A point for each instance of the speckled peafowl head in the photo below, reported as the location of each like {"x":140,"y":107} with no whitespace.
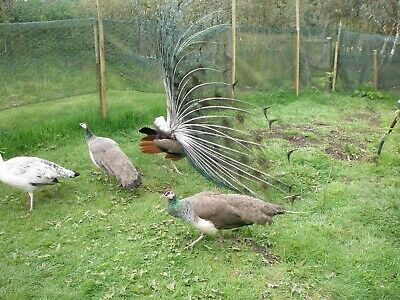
{"x":169,"y":194}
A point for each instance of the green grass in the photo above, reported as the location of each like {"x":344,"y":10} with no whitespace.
{"x":89,"y":239}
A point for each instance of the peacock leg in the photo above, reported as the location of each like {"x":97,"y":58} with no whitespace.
{"x":196,"y":241}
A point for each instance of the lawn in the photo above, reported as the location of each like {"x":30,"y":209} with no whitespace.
{"x":89,"y":239}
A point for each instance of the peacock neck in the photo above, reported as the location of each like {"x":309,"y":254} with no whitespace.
{"x":88,"y":134}
{"x":174,"y":206}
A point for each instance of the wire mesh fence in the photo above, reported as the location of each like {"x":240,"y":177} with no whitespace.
{"x":356,"y":67}
{"x":41,"y":61}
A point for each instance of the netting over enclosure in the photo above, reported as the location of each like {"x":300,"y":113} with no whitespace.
{"x":131,"y":55}
{"x":357,"y":61}
{"x":47,"y":60}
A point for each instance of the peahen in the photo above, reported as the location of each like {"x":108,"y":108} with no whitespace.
{"x":204,"y":123}
{"x":211,"y":211}
{"x":107,"y":155}
{"x":30,"y":173}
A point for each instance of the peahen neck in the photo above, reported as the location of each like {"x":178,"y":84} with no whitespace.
{"x":88,"y":134}
{"x":174,"y":207}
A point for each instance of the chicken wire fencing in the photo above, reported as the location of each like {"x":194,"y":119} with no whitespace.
{"x":46,"y":60}
{"x":42,"y":61}
{"x":358,"y":66}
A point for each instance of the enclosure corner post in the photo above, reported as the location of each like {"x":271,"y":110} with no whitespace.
{"x":233,"y":40}
{"x":336,"y":59}
{"x":375,"y":69}
{"x":102,"y":60}
{"x":297,"y":69}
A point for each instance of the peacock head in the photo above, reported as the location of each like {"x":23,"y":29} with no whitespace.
{"x":169,"y":194}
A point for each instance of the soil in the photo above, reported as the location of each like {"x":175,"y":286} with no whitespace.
{"x":337,"y":144}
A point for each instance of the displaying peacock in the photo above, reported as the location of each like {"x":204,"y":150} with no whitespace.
{"x":204,"y":122}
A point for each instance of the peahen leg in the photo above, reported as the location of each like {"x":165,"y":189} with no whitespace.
{"x":196,"y":241}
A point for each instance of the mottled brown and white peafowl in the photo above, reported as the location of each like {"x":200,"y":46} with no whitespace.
{"x":212,"y":211}
{"x":204,"y":123}
{"x":107,"y":155}
{"x":30,"y":173}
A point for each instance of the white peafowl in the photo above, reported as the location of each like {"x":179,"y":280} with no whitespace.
{"x":107,"y":155}
{"x":204,"y":123}
{"x":30,"y":173}
{"x":211,"y":211}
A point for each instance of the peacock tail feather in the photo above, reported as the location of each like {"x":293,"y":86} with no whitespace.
{"x":211,"y":126}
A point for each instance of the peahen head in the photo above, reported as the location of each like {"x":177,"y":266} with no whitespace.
{"x":88,"y":133}
{"x":170,"y":195}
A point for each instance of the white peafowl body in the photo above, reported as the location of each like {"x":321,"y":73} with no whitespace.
{"x":30,"y":173}
{"x":204,"y":123}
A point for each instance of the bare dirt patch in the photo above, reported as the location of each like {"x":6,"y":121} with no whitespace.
{"x":297,"y":140}
{"x":352,"y":146}
{"x":369,"y":117}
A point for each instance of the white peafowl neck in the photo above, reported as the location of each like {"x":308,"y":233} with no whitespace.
{"x":162,"y":126}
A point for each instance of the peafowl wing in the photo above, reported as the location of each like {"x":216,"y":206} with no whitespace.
{"x":107,"y":154}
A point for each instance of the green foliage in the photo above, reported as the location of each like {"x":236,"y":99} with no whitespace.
{"x":39,"y":10}
{"x":87,"y":238}
{"x":370,"y":93}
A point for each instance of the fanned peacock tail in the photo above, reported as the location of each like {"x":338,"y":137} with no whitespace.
{"x":211,"y":126}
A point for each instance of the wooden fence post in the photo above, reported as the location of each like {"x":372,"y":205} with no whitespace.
{"x":329,"y":56}
{"x":96,"y":41}
{"x":233,"y":40}
{"x":336,"y":59}
{"x":297,"y":77}
{"x":102,"y":60}
{"x":375,"y":69}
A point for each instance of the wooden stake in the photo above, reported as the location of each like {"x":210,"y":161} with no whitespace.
{"x":330,"y":61}
{"x":297,"y":80}
{"x":96,"y":41}
{"x":336,"y":59}
{"x":233,"y":79}
{"x":375,"y":69}
{"x":102,"y":60}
